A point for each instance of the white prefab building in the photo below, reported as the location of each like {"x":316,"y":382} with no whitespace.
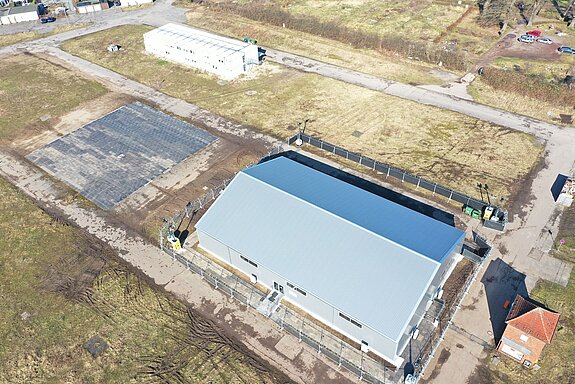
{"x":365,"y":266}
{"x":20,"y":14}
{"x":222,"y":56}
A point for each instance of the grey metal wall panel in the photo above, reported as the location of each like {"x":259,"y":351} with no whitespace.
{"x":325,"y":250}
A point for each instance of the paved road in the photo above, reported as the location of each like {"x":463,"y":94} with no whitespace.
{"x":524,"y":235}
{"x":405,"y":91}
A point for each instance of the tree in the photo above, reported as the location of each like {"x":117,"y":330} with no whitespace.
{"x":569,"y":10}
{"x":506,"y":15}
{"x":536,"y":8}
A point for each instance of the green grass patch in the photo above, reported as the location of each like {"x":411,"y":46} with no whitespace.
{"x":32,"y":88}
{"x":60,"y":287}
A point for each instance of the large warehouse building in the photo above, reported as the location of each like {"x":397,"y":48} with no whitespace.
{"x":364,"y":265}
{"x":222,"y":56}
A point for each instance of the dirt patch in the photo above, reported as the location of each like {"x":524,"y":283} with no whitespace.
{"x":56,"y":127}
{"x":509,"y":47}
{"x":151,"y":334}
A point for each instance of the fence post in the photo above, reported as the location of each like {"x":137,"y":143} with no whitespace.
{"x":283,"y":318}
{"x":361,"y":367}
{"x":319,"y":342}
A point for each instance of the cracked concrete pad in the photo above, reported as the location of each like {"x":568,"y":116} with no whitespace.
{"x":287,"y":348}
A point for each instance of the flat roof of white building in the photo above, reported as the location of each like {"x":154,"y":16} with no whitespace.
{"x":365,"y":255}
{"x":196,"y":39}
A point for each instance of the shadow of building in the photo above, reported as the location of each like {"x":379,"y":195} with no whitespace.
{"x":502,"y":284}
{"x":366,"y":185}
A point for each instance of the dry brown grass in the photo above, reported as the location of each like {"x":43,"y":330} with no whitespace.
{"x":6,"y":40}
{"x":391,"y":67}
{"x":32,"y":89}
{"x":443,"y":146}
{"x":528,"y":87}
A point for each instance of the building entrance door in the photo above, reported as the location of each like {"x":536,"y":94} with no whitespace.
{"x":278,"y":287}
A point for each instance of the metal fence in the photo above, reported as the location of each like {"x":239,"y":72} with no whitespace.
{"x":429,"y":350}
{"x":391,"y":171}
{"x":324,"y":342}
{"x":171,"y":224}
{"x":342,"y":353}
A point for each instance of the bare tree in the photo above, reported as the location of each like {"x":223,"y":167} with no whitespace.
{"x":568,"y":14}
{"x":508,"y":8}
{"x":536,"y":8}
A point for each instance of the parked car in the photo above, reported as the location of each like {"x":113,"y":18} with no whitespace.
{"x":526,"y":39}
{"x":51,"y":19}
{"x":545,"y":40}
{"x":567,"y":50}
{"x":535,"y":33}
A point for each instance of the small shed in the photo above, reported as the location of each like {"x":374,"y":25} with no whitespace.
{"x":529,"y":328}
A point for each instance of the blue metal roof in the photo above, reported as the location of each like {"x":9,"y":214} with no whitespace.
{"x":367,"y":256}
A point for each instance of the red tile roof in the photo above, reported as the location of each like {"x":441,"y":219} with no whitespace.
{"x":532,"y":319}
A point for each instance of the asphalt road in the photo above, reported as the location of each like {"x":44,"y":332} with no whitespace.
{"x":523,"y":235}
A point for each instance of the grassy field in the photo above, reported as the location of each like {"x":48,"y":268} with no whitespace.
{"x":390,"y":66}
{"x":444,"y":146}
{"x":516,"y":94}
{"x":21,"y":37}
{"x":422,"y":20}
{"x":33,"y":89}
{"x":61,"y":287}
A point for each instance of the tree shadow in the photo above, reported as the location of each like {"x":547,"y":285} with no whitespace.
{"x":501,"y":283}
{"x":558,"y":8}
{"x":366,"y":185}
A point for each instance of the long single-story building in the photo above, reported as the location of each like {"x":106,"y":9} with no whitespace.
{"x":13,"y":15}
{"x":222,"y":56}
{"x":365,"y":266}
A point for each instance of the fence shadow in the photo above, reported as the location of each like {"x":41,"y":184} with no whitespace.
{"x":501,"y":283}
{"x":366,"y":185}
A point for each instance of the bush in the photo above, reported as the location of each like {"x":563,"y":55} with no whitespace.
{"x":534,"y":86}
{"x":431,"y":53}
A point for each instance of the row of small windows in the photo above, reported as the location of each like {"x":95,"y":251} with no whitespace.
{"x":296,"y":288}
{"x":248,"y":261}
{"x":185,"y":50}
{"x":346,"y":317}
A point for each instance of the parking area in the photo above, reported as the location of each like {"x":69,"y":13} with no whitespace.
{"x":115,"y":155}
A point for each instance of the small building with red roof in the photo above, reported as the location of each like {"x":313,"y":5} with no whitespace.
{"x":529,"y":328}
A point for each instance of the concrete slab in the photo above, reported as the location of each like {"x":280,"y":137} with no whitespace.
{"x":111,"y":157}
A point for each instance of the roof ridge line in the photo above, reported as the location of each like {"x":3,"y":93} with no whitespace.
{"x":344,"y":219}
